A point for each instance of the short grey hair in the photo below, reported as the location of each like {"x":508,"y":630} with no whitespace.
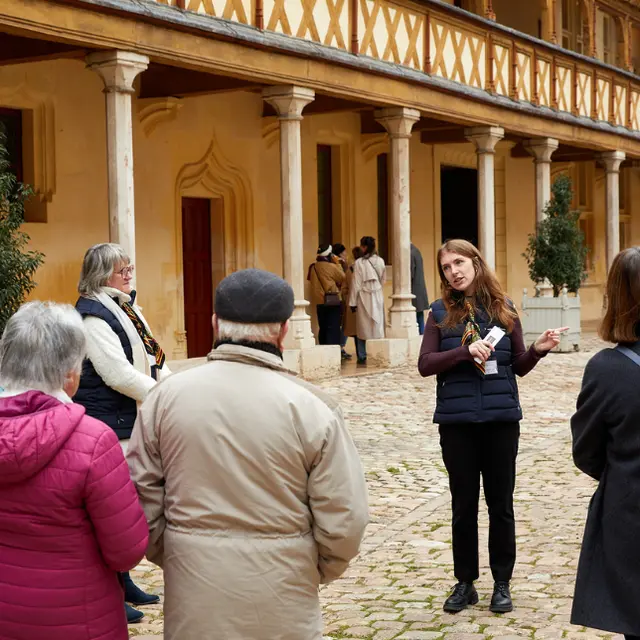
{"x":240,"y":332}
{"x":42,"y":343}
{"x":98,"y":266}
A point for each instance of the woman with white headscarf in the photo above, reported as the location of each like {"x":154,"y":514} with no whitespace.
{"x":326,"y":277}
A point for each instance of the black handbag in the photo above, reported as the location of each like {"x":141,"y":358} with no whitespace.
{"x":330,"y":299}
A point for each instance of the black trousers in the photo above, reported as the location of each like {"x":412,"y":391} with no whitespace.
{"x":632,"y":638}
{"x":329,"y":319}
{"x":488,"y":450}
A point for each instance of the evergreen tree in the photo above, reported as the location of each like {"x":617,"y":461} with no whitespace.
{"x":17,"y":266}
{"x":557,"y":252}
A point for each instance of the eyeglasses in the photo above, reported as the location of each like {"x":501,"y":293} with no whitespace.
{"x":126,"y":271}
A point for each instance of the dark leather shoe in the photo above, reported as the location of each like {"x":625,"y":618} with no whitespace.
{"x":133,"y":615}
{"x":501,"y":599}
{"x":463,"y":594}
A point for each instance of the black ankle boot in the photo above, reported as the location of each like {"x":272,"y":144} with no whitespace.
{"x":133,"y":615}
{"x":501,"y":599}
{"x":135,"y":595}
{"x":463,"y":594}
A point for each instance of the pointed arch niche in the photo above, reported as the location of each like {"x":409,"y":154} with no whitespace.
{"x":228,"y":187}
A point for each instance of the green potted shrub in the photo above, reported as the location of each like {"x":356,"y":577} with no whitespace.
{"x":17,"y":264}
{"x":556,"y":256}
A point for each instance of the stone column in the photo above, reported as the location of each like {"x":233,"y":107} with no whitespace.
{"x":289,"y":101}
{"x":542,"y":149}
{"x":611,"y":160}
{"x":398,"y":122}
{"x":486,"y":139}
{"x":118,"y":70}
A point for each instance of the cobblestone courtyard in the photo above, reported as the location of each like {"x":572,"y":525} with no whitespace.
{"x":395,"y":589}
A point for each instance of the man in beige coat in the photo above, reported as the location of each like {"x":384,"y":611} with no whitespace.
{"x":250,"y":481}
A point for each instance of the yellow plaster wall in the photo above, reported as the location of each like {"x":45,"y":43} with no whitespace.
{"x":77,"y":214}
{"x":520,"y":222}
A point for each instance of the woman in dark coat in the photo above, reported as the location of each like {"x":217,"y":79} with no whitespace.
{"x":606,"y":446}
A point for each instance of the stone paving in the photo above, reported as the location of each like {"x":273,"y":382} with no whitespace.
{"x":395,"y":589}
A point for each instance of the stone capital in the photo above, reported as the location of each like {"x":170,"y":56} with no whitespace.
{"x":611,"y":160}
{"x":118,"y":69}
{"x":288,"y":101}
{"x":485,"y":138}
{"x":398,"y":121}
{"x":541,"y":148}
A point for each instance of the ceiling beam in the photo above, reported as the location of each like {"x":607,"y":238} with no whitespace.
{"x":565,"y":153}
{"x":18,"y":50}
{"x":163,"y":81}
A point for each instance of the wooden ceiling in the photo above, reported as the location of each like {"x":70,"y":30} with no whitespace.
{"x":17,"y":49}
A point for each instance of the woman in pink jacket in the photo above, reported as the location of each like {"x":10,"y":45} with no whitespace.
{"x":69,"y":514}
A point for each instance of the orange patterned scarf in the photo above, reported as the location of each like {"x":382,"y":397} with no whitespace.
{"x":150,"y":344}
{"x":472,"y":332}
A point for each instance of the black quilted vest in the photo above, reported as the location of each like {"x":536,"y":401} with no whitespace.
{"x":463,"y":394}
{"x":100,"y":401}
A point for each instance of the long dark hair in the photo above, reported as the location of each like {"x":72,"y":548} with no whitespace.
{"x":488,"y":291}
{"x":369,"y":244}
{"x":621,"y":319}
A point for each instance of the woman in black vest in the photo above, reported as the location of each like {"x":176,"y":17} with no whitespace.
{"x":606,"y":446}
{"x":123,"y":362}
{"x":478,"y":411}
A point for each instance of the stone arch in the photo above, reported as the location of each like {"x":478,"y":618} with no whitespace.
{"x":215,"y":176}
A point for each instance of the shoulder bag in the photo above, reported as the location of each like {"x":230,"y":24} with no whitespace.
{"x":630,"y":353}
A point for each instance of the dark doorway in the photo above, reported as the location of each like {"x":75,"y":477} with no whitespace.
{"x":383,"y":208}
{"x":459,"y":195}
{"x":197,"y":273}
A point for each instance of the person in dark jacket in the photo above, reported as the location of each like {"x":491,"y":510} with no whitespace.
{"x":606,"y":446}
{"x":418,"y":286}
{"x":123,"y":362}
{"x":478,"y":411}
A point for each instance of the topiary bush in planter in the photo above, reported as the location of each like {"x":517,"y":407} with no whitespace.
{"x":556,"y":257}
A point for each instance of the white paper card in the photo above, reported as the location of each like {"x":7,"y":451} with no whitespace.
{"x":491,"y":368}
{"x":493,"y":337}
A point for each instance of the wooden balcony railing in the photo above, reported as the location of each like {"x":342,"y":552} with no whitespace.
{"x":463,"y":48}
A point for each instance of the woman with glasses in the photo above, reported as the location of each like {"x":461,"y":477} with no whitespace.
{"x":123,"y":362}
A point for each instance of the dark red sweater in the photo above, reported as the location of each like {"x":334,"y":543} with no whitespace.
{"x":433,"y":361}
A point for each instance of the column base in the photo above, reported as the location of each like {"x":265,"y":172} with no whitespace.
{"x":394,"y":352}
{"x":403,"y":323}
{"x":315,"y":363}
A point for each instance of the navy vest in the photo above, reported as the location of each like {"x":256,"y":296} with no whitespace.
{"x":463,"y":394}
{"x":102,"y":402}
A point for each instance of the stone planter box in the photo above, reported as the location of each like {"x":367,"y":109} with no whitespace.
{"x":546,"y":312}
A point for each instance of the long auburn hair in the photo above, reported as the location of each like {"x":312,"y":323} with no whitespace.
{"x":488,"y":292}
{"x":622,"y":317}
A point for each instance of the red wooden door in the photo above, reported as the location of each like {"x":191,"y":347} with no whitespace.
{"x":198,"y":282}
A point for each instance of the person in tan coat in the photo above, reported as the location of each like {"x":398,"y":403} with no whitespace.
{"x":326,"y":277}
{"x":349,"y":320}
{"x":250,"y":481}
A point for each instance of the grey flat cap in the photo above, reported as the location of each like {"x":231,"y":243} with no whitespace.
{"x":253,"y":296}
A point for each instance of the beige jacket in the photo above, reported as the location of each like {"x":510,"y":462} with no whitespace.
{"x":325,"y":277}
{"x":254,"y":494}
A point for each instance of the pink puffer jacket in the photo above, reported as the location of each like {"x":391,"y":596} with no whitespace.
{"x":69,"y":520}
